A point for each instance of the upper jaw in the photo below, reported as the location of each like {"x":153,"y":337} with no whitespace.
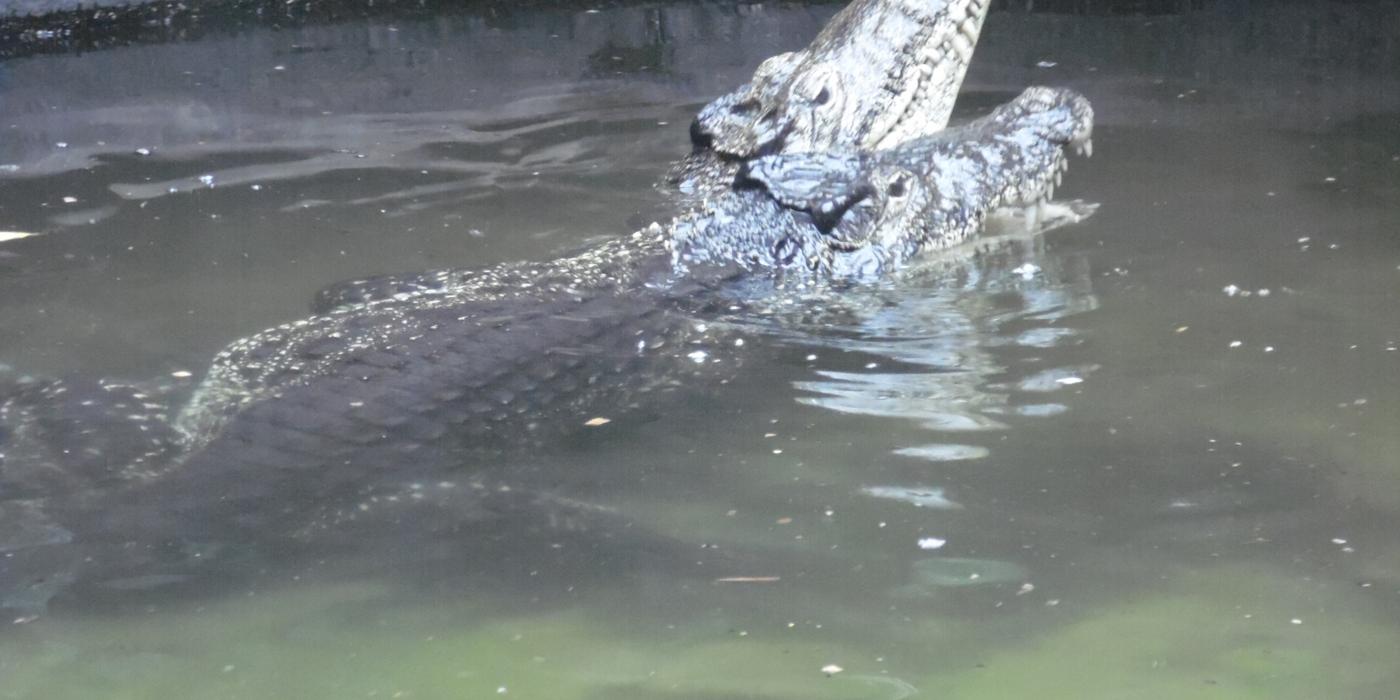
{"x":882,"y":71}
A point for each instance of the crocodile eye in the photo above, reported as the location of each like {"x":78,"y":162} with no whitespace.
{"x":897,"y":188}
{"x":822,"y":97}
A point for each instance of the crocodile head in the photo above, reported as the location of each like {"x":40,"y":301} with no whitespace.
{"x":859,"y":214}
{"x":881,"y":72}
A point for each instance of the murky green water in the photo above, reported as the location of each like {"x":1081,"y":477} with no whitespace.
{"x":1161,"y":465}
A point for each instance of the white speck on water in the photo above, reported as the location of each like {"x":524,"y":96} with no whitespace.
{"x":62,"y":144}
{"x":14,"y":235}
{"x":279,"y":67}
{"x":207,"y":180}
{"x":1230,"y":290}
{"x":1329,"y":179}
{"x":698,"y":356}
{"x":1305,"y":239}
{"x":1027,"y":270}
{"x":1236,"y":343}
{"x":1069,"y":381}
{"x":255,"y":188}
{"x":1339,"y":540}
{"x":811,"y":358}
{"x":1296,"y":621}
{"x":70,"y":200}
{"x":1046,"y":64}
{"x":501,"y":690}
{"x":738,"y":342}
{"x":871,"y":365}
{"x":143,"y":151}
{"x":182,"y":374}
{"x":1263,"y":292}
{"x":832,"y":669}
{"x":1268,"y":348}
{"x":932,"y":542}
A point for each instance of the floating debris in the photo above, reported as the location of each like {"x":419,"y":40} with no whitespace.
{"x":917,"y":496}
{"x":831,"y":670}
{"x":597,"y":421}
{"x":15,"y":235}
{"x":930,"y":543}
{"x":1056,"y":379}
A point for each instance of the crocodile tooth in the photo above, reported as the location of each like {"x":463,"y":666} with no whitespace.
{"x":1050,"y":191}
{"x":956,"y":12}
{"x":970,"y":27}
{"x":963,"y":47}
{"x":926,"y":69}
{"x":1088,"y":148}
{"x":1059,"y":177}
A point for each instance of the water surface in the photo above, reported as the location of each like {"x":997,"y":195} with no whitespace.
{"x":1152,"y":455}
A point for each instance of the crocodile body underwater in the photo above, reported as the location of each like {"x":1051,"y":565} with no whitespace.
{"x":832,"y":166}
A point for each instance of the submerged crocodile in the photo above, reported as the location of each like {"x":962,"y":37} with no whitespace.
{"x":833,"y":165}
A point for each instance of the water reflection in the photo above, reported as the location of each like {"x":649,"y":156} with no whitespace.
{"x":934,"y":343}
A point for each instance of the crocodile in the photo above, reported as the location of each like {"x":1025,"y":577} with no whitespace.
{"x":812,"y":173}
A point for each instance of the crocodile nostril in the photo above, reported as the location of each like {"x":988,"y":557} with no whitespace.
{"x":785,"y":251}
{"x":699,"y":137}
{"x":744,"y":107}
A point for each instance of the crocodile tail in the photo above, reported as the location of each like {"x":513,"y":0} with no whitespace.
{"x":60,"y":436}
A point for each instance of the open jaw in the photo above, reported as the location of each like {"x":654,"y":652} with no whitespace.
{"x":881,"y":72}
{"x":859,"y":214}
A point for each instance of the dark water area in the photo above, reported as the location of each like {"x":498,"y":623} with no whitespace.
{"x":1149,"y":455}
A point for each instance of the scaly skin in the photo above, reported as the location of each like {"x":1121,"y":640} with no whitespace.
{"x":862,"y":215}
{"x":881,"y":72}
{"x":414,"y":372}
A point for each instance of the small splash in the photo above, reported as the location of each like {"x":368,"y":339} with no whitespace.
{"x":944,"y":452}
